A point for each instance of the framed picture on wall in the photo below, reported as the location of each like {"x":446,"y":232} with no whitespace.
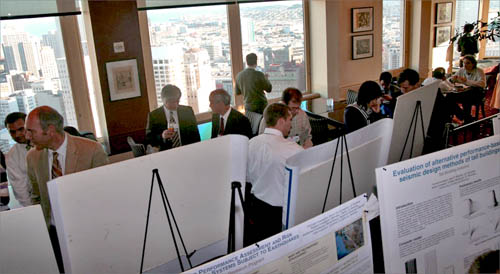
{"x":362,"y":19}
{"x":443,"y":35}
{"x":444,"y":12}
{"x":123,"y":79}
{"x":362,"y":46}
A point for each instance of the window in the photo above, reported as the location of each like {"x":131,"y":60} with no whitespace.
{"x":493,"y":48}
{"x":275,"y":32}
{"x":35,"y":71}
{"x":467,"y":11}
{"x":393,"y":34}
{"x":191,"y":47}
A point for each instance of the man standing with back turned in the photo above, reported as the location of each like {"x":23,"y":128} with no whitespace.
{"x":252,"y":84}
{"x":267,"y":154}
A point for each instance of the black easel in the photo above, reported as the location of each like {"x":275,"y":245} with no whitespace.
{"x":168,"y":208}
{"x":414,"y":121}
{"x":231,"y":239}
{"x":343,"y":140}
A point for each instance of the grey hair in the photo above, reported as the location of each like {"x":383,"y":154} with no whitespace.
{"x":170,"y":92}
{"x":221,"y":95}
{"x":49,"y":116}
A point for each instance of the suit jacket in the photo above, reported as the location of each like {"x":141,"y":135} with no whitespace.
{"x":237,"y":123}
{"x":157,"y":123}
{"x":81,"y":154}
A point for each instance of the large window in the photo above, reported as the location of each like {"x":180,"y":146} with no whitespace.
{"x":393,"y":34}
{"x":467,"y":11}
{"x":190,"y":49}
{"x":275,"y":32}
{"x":493,"y":48}
{"x":34,"y":71}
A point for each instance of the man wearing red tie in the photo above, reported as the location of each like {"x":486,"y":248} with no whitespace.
{"x":56,"y":154}
{"x":225,"y":119}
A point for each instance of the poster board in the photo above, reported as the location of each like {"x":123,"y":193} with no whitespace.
{"x":101,"y":213}
{"x":496,"y":124}
{"x":308,"y":172}
{"x":24,"y":242}
{"x":337,"y":241}
{"x":403,"y":114}
{"x":440,"y":211}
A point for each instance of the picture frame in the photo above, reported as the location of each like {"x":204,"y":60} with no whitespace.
{"x":442,"y":36}
{"x":362,"y":19}
{"x":444,"y":12}
{"x":362,"y":46}
{"x":123,"y":79}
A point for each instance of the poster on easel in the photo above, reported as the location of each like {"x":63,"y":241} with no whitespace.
{"x":441,"y":211}
{"x":337,"y":241}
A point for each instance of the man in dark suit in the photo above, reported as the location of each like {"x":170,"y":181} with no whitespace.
{"x":171,"y":125}
{"x":225,"y":119}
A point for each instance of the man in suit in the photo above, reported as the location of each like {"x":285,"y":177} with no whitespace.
{"x":225,"y":119}
{"x":56,"y":154}
{"x":171,"y":125}
{"x":252,"y":84}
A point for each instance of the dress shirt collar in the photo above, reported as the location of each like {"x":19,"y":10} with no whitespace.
{"x":62,"y":149}
{"x":273,"y":131}
{"x":226,"y":115}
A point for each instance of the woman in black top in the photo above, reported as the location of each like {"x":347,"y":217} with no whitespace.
{"x":366,"y":110}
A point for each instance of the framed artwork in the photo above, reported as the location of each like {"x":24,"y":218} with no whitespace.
{"x":444,"y":12}
{"x":443,"y":35}
{"x":123,"y":79}
{"x":362,"y":46}
{"x":362,"y":19}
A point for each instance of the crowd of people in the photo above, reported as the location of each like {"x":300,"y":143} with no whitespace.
{"x":45,"y":151}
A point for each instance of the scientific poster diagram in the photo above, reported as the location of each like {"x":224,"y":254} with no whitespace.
{"x":337,"y":241}
{"x":308,"y":172}
{"x":440,"y":211}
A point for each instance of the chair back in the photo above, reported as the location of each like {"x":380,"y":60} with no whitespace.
{"x":352,"y":96}
{"x":137,"y":149}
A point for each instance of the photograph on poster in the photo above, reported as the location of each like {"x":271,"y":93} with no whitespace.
{"x":362,"y":19}
{"x":444,"y":12}
{"x":349,"y":238}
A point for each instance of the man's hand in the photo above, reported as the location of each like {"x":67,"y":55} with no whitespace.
{"x":168,"y":133}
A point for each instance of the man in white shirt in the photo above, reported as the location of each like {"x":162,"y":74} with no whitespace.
{"x":267,"y":154}
{"x":439,"y":74}
{"x":16,"y":158}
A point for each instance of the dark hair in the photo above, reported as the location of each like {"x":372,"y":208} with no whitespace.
{"x":472,"y":59}
{"x":170,"y":91}
{"x":251,"y":59}
{"x":486,"y":263}
{"x":48,"y":116}
{"x":409,"y":75}
{"x":221,"y":95}
{"x":368,"y":91}
{"x":290,"y":94}
{"x":13,"y":117}
{"x":468,"y":27}
{"x":72,"y":130}
{"x":274,"y":112}
{"x":438,"y":73}
{"x":386,"y":77}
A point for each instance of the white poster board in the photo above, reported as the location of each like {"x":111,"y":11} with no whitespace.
{"x":403,"y":114}
{"x":308,"y":172}
{"x":24,"y":242}
{"x":337,"y":241}
{"x":101,"y":213}
{"x":440,"y":211}
{"x":496,"y":124}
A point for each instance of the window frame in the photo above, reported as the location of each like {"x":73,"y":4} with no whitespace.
{"x":236,"y":52}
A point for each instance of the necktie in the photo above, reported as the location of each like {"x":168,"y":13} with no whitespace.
{"x":176,"y":142}
{"x":56,"y":167}
{"x":221,"y":127}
